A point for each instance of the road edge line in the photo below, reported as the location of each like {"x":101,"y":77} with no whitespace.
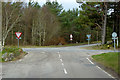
{"x":101,"y":69}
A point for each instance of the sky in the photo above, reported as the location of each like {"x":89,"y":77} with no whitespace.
{"x":67,"y":4}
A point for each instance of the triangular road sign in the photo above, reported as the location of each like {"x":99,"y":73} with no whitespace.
{"x":89,"y":35}
{"x":18,"y":34}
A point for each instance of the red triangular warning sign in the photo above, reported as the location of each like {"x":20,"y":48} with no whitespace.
{"x":18,"y":34}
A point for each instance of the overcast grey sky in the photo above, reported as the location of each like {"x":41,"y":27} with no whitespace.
{"x":67,"y":4}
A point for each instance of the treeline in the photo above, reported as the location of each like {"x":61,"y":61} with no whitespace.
{"x":50,"y":24}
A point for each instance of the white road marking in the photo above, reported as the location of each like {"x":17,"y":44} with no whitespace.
{"x":65,"y":71}
{"x":89,"y":60}
{"x":43,"y":52}
{"x":105,"y":72}
{"x":61,"y":60}
{"x":59,"y":55}
{"x":62,"y":64}
{"x":88,"y":55}
{"x":100,"y":68}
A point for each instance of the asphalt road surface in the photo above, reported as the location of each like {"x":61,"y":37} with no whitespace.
{"x":61,"y":62}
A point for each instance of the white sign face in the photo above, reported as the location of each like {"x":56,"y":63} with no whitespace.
{"x":71,"y":36}
{"x":18,"y":34}
{"x":89,"y":35}
{"x":114,"y":34}
{"x":71,"y":39}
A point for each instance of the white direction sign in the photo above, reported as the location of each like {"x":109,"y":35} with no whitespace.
{"x":114,"y":34}
{"x":18,"y":34}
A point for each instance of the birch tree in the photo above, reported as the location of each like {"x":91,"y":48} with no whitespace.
{"x":0,"y":25}
{"x":11,"y":16}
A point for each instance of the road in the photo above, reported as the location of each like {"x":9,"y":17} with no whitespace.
{"x":61,"y":62}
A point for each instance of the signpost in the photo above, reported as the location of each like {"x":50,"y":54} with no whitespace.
{"x":117,"y":41}
{"x":88,"y":38}
{"x":18,"y":34}
{"x":114,"y":36}
{"x":71,"y":37}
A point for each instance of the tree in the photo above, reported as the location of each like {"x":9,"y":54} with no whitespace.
{"x":104,"y":22}
{"x":50,"y":25}
{"x":11,"y":16}
{"x":0,"y":25}
{"x":55,"y":7}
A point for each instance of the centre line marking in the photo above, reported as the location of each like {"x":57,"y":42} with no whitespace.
{"x":59,"y":55}
{"x":89,"y":60}
{"x":61,"y":60}
{"x":65,"y":71}
{"x":62,"y":64}
{"x":43,"y":52}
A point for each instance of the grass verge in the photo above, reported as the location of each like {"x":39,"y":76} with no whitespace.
{"x":11,"y":54}
{"x":109,"y":60}
{"x":101,"y":47}
{"x":66,"y":45}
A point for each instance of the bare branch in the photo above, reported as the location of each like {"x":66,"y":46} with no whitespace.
{"x":99,"y":26}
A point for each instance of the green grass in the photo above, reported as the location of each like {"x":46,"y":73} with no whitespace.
{"x":101,"y":47}
{"x":16,"y":51}
{"x":0,"y":56}
{"x":109,"y":60}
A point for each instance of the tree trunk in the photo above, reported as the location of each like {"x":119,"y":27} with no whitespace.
{"x":33,"y":36}
{"x":119,"y":30}
{"x":44,"y":37}
{"x":0,"y":25}
{"x":25,"y":35}
{"x":104,"y":25}
{"x":12,"y":37}
{"x":33,"y":32}
{"x":40,"y":35}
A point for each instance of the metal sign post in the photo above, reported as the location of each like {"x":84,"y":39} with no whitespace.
{"x":71,"y":37}
{"x":18,"y":34}
{"x":18,"y":43}
{"x":117,"y":42}
{"x":114,"y":35}
{"x":88,"y":38}
{"x":114,"y":44}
